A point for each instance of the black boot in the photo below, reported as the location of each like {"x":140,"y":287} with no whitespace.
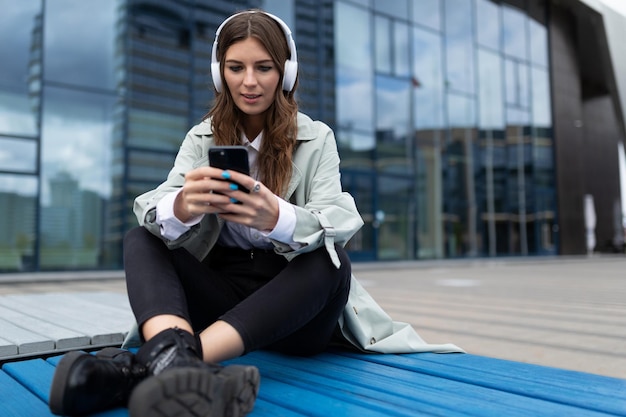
{"x":182,"y":384}
{"x":84,"y":384}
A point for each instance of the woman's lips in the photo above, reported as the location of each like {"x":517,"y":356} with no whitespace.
{"x":250,"y":98}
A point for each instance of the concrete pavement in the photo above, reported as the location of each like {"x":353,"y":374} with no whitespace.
{"x":563,"y":312}
{"x":568,"y":313}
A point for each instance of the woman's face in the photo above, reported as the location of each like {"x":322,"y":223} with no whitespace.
{"x":251,"y":76}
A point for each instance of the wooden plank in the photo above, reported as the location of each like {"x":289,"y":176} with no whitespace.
{"x":17,"y":401}
{"x":63,"y":338}
{"x":316,"y":384}
{"x":547,"y":376}
{"x":35,"y":375}
{"x":89,"y":323}
{"x":25,"y":340}
{"x":94,"y":305}
{"x":7,"y":348}
{"x":109,"y":299}
{"x":263,"y":408}
{"x":312,"y":403}
{"x":412,"y":391}
{"x":574,"y":391}
{"x":346,"y":384}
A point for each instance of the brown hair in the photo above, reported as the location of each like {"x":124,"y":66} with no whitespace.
{"x":280,"y":129}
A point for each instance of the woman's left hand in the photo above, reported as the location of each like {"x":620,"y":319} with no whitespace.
{"x":258,"y":209}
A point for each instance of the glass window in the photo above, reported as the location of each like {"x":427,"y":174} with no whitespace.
{"x":427,"y":80}
{"x":395,"y":8}
{"x":459,"y":46}
{"x":361,"y":2}
{"x":516,"y":83}
{"x":392,"y":109}
{"x":155,"y":130}
{"x":353,"y":54}
{"x":352,"y":37}
{"x":18,"y":209}
{"x":383,"y":44}
{"x":523,"y":78}
{"x":491,"y":100}
{"x":514,"y":32}
{"x":283,"y":9}
{"x":538,"y":43}
{"x":80,"y":42}
{"x":541,"y":105}
{"x":395,"y":232}
{"x":18,"y":155}
{"x":149,"y":166}
{"x":20,"y":55}
{"x":76,"y":177}
{"x":427,"y":13}
{"x":401,"y":50}
{"x":517,"y":117}
{"x":488,"y":24}
{"x":461,"y":111}
{"x":429,"y":194}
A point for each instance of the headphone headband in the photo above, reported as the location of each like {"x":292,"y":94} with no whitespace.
{"x":291,"y":65}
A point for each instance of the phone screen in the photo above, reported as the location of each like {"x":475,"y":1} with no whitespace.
{"x":233,"y":158}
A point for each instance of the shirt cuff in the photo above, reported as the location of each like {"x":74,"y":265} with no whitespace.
{"x":286,"y":225}
{"x":171,"y":227}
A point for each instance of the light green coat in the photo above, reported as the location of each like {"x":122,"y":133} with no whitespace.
{"x":324,"y":215}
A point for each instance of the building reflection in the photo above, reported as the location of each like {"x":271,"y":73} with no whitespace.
{"x":442,"y":109}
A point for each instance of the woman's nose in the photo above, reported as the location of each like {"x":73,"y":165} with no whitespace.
{"x":250,"y":77}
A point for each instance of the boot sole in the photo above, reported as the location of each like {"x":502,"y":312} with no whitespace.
{"x":197,"y":392}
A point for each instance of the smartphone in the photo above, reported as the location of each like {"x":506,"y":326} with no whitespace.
{"x":234,"y":158}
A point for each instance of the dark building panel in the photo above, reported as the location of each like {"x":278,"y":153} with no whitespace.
{"x":587,"y":127}
{"x":568,"y":114}
{"x":601,"y":168}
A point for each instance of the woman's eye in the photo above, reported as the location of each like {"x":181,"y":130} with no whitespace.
{"x":235,"y":68}
{"x":265,"y":68}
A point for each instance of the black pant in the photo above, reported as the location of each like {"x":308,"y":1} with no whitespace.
{"x":291,"y":307}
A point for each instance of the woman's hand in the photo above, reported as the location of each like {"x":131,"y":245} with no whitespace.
{"x":205,"y":191}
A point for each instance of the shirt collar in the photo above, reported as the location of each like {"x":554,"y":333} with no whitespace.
{"x":256,"y":143}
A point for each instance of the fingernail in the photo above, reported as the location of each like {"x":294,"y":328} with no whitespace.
{"x":226,"y":174}
{"x":233,"y":186}
{"x":233,"y":200}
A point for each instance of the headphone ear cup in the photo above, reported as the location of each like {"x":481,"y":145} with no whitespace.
{"x":291,"y":73}
{"x":217,"y":78}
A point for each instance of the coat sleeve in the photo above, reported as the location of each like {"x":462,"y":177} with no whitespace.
{"x":192,"y":154}
{"x":325,"y":215}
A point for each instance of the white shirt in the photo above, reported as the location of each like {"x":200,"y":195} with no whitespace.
{"x":233,"y":234}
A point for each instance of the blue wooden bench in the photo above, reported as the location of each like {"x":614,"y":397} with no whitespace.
{"x":349,"y":384}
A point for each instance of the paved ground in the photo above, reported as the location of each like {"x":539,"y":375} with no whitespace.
{"x":564,"y":312}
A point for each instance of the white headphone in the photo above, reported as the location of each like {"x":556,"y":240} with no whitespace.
{"x":291,"y":65}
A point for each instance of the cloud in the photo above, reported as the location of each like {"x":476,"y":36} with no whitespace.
{"x":80,"y":42}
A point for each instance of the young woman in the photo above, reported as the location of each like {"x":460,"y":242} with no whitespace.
{"x":214,"y":272}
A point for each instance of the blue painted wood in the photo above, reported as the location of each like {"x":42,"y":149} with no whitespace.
{"x":348,"y":384}
{"x":583,"y":391}
{"x":17,"y":401}
{"x":35,"y":375}
{"x":405,"y":390}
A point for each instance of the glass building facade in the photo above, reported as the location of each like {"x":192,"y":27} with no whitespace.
{"x":441,"y":108}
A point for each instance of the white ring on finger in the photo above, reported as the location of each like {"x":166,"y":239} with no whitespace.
{"x":257,"y":187}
